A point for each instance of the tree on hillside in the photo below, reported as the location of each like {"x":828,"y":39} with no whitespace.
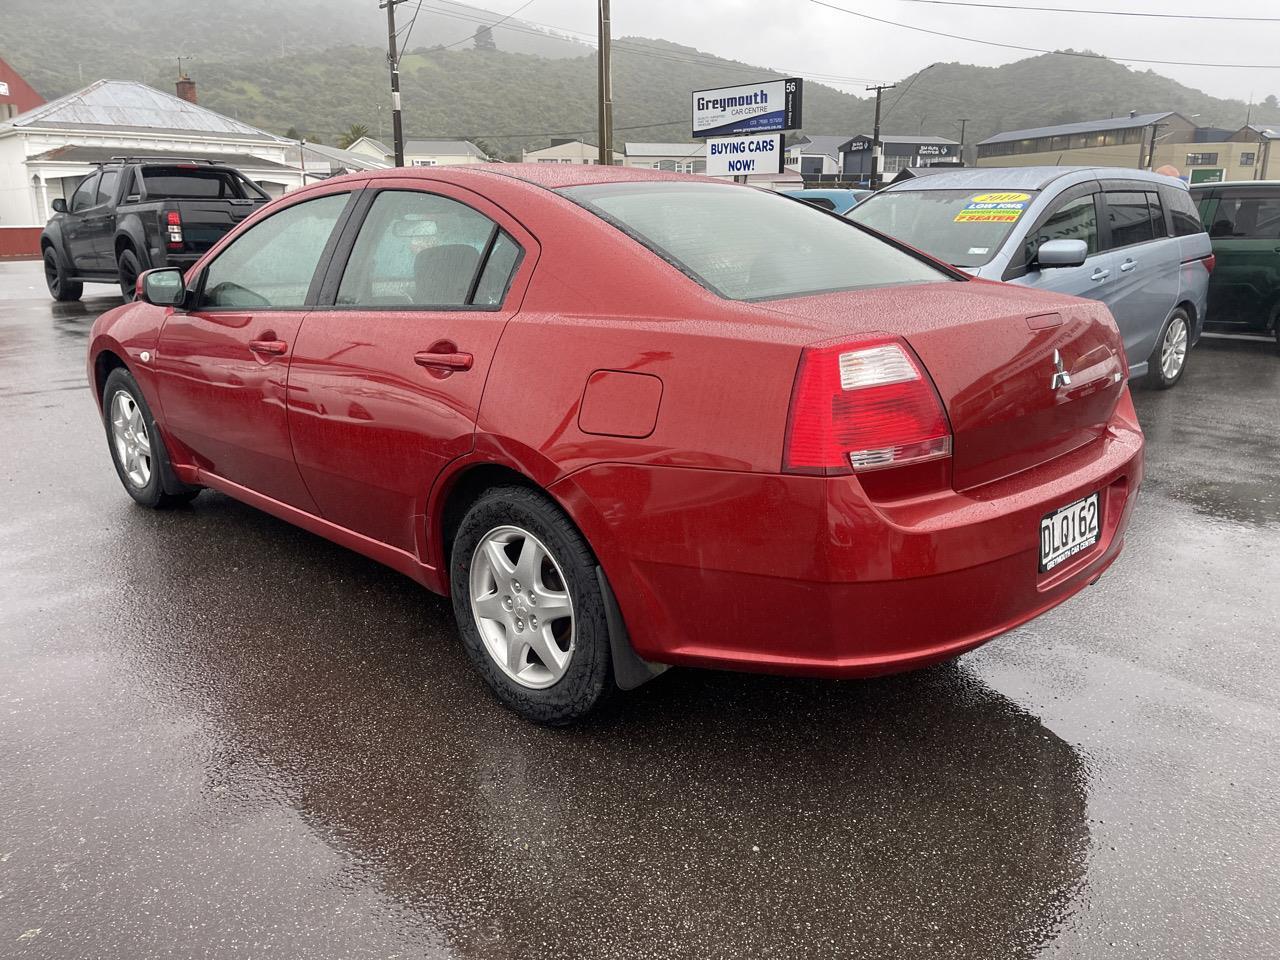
{"x":352,"y":134}
{"x":293,"y":134}
{"x":1270,"y":103}
{"x":484,"y":39}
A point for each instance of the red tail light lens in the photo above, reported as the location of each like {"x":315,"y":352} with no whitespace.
{"x":173,"y":226}
{"x":1210,"y":262}
{"x":863,"y":407}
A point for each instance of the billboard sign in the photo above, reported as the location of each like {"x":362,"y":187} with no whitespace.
{"x":749,"y":108}
{"x":738,"y":156}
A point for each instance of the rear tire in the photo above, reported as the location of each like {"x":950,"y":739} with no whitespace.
{"x":1275,"y":326}
{"x":137,"y":448}
{"x":128,"y":268}
{"x":1168,"y":360}
{"x":517,"y":558}
{"x":55,"y":277}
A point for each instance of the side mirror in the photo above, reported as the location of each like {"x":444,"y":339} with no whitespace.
{"x":59,"y":205}
{"x":1061,"y":253}
{"x":162,"y":287}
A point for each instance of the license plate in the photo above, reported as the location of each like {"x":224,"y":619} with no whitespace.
{"x":1068,"y":531}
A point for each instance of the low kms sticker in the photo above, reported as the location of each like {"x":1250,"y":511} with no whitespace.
{"x":994,"y":208}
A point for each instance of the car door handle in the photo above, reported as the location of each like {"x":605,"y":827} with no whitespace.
{"x":270,"y":348}
{"x":1100,"y":275}
{"x":443,"y":361}
{"x":1128,"y":265}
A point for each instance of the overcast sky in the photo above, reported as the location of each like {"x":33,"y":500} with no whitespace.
{"x":801,"y":37}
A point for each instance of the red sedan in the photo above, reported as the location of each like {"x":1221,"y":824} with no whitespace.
{"x":628,"y":419}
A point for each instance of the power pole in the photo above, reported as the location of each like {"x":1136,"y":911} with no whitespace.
{"x":605,"y":85}
{"x":397,"y":127}
{"x":962,"y":121}
{"x":1151,"y":153}
{"x":876,"y":147}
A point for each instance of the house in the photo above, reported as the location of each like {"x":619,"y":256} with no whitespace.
{"x":46,"y":151}
{"x":816,"y":156}
{"x":564,"y":150}
{"x":673,"y":157}
{"x":318,"y":161}
{"x":422,"y":153}
{"x":16,"y":95}
{"x":369,"y":147}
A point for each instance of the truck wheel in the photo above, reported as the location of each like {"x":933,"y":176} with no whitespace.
{"x":60,"y":288}
{"x":127,"y":265}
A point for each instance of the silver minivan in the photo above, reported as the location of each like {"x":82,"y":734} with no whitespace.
{"x":1129,"y":238}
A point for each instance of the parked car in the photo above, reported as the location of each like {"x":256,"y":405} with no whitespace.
{"x":1128,"y":238}
{"x":1244,"y":225}
{"x":628,"y":419}
{"x":835,"y":201}
{"x":133,"y":214}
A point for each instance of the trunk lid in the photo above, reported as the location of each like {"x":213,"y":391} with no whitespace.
{"x":995,"y":352}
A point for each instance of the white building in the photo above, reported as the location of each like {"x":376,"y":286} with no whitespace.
{"x":816,"y":155}
{"x":47,"y":151}
{"x":422,"y":153}
{"x":567,"y":151}
{"x":672,"y":157}
{"x":318,"y":161}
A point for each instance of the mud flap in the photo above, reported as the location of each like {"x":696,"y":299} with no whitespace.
{"x":630,"y":670}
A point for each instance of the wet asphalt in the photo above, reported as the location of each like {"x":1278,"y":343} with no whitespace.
{"x":223,"y":737}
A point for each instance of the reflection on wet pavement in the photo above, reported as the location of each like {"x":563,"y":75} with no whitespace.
{"x":225,"y":737}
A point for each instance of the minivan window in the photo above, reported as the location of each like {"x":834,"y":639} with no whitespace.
{"x":1186,"y":217}
{"x":965,"y":228}
{"x":1254,"y":217}
{"x":1131,"y":219}
{"x":747,"y":244}
{"x":1075,"y":220}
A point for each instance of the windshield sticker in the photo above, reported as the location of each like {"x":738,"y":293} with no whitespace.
{"x":978,"y":251}
{"x":994,"y":208}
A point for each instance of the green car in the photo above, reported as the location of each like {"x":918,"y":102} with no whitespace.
{"x":1244,"y":224}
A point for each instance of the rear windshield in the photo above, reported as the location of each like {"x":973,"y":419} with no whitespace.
{"x":195,"y":183}
{"x":746,"y":244}
{"x":964,"y":228}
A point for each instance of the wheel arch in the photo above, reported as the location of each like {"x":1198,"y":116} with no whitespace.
{"x":103,"y":363}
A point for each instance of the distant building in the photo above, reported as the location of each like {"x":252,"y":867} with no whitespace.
{"x":422,"y":153}
{"x":564,"y":150}
{"x":45,"y":152}
{"x":672,"y":157}
{"x":1199,"y":154}
{"x":318,"y":161}
{"x":898,"y":152}
{"x":16,"y":95}
{"x":816,"y":156}
{"x":370,"y":147}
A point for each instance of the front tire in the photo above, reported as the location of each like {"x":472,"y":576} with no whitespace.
{"x":1168,"y":359}
{"x":60,"y":288}
{"x":529,"y":607}
{"x":137,"y":449}
{"x":128,"y":269}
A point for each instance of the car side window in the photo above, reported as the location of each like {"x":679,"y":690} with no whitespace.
{"x":271,"y":264}
{"x":1130,"y":218}
{"x":84,"y":194}
{"x":107,"y":186}
{"x":423,"y":250}
{"x":1247,"y":218}
{"x":1073,"y":220}
{"x":1186,"y":217}
{"x":1156,"y":208}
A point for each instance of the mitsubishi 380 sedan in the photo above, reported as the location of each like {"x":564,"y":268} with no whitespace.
{"x":628,"y":419}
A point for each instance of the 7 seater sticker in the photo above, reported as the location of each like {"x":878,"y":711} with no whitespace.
{"x":994,"y":208}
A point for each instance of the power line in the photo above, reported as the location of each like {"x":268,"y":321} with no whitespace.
{"x":1100,"y":13}
{"x":486,"y":23}
{"x":1060,"y":53}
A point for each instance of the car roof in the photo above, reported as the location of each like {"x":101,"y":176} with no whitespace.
{"x":1024,"y":178}
{"x":1238,"y":185}
{"x":834,"y":192}
{"x":555,"y":176}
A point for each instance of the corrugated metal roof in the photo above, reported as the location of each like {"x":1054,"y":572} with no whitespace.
{"x":87,"y":154}
{"x":336,"y":158}
{"x":136,"y":106}
{"x":830,"y":146}
{"x":444,"y":148}
{"x":1084,"y":126}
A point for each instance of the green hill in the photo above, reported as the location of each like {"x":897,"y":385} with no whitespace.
{"x":287,"y":72}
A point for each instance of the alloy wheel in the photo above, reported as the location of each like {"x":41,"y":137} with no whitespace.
{"x":51,"y":272}
{"x":1173,"y":350}
{"x":131,"y":440}
{"x":522,"y":608}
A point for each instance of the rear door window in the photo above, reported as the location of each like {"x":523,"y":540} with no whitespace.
{"x":1182,"y":208}
{"x":1130,"y":217}
{"x":107,"y":187}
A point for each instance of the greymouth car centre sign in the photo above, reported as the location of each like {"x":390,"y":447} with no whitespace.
{"x":767,"y":107}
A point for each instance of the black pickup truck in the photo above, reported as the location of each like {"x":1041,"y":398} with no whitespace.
{"x":136,"y":213}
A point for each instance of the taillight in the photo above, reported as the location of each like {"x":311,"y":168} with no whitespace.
{"x":173,"y":224}
{"x":1210,"y":262}
{"x":863,"y":407}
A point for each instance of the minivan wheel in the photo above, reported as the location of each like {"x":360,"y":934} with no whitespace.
{"x":137,"y":449}
{"x":529,"y":607}
{"x":60,"y":288}
{"x":1169,"y":358}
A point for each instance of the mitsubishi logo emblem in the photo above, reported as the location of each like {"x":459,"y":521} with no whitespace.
{"x":1060,"y":376}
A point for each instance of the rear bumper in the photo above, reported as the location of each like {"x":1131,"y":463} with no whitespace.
{"x":806,"y":575}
